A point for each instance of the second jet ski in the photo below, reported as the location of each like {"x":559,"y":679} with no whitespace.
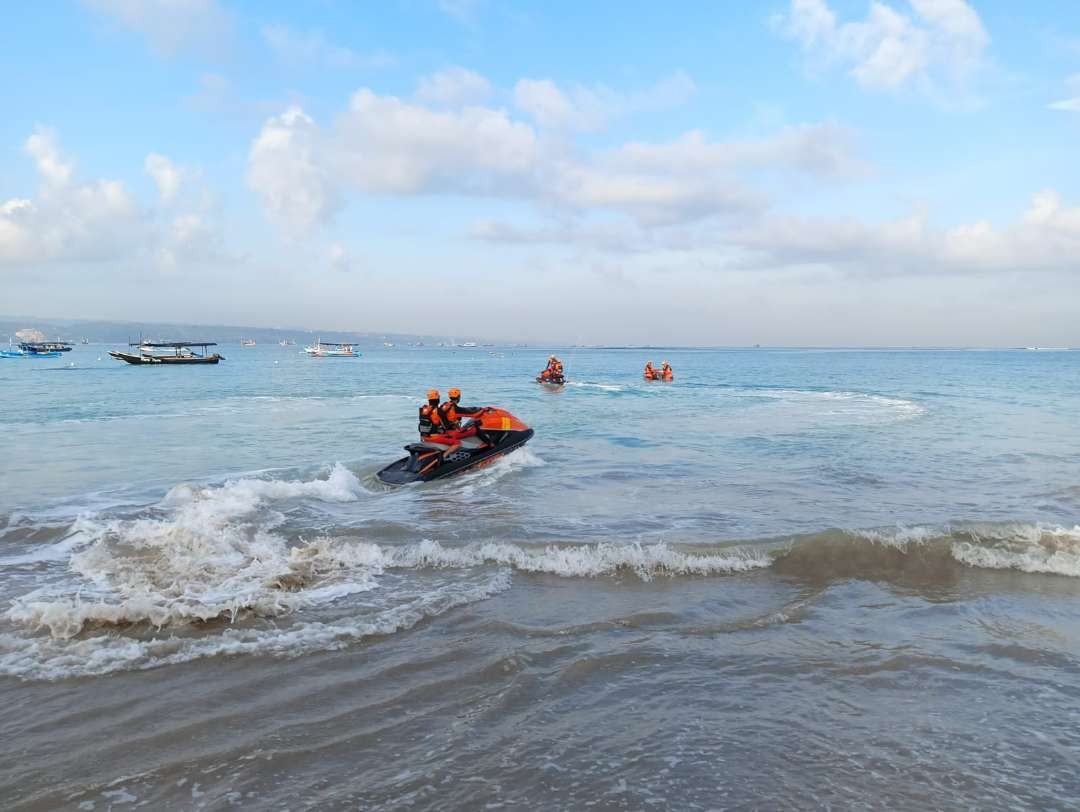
{"x":492,"y":434}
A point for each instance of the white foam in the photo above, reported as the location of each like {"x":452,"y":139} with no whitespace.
{"x":43,"y":658}
{"x":578,"y":561}
{"x":850,"y":406}
{"x":1034,"y":548}
{"x":215,"y":555}
{"x":606,"y":387}
{"x":483,"y":477}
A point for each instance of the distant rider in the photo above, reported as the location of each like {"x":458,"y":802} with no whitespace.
{"x":666,"y":372}
{"x":650,"y":373}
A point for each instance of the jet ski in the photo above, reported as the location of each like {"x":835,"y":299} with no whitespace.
{"x":497,"y":433}
{"x":551,"y":381}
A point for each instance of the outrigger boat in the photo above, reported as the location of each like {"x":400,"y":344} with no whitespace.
{"x":184,"y":352}
{"x":331,"y":349}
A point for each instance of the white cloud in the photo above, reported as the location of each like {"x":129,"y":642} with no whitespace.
{"x":826,"y":150}
{"x":67,"y":220}
{"x":1045,"y":238}
{"x":165,"y":174}
{"x":1072,"y":104}
{"x":96,"y":220}
{"x":42,"y":147}
{"x":588,"y":109}
{"x":312,"y":49}
{"x":389,"y":145}
{"x":286,"y":170}
{"x":386,"y":145}
{"x":170,"y":25}
{"x":888,"y":49}
{"x":453,"y":87}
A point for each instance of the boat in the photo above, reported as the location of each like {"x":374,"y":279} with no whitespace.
{"x":25,"y":354}
{"x":331,"y":349}
{"x":39,"y":347}
{"x":287,"y":342}
{"x":28,"y":350}
{"x":497,"y":433}
{"x":469,"y":345}
{"x":247,"y":342}
{"x":183,"y":352}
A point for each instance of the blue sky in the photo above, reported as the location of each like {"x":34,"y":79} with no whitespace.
{"x":789,"y":172}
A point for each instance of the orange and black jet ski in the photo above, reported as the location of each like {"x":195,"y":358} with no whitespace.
{"x":493,"y":433}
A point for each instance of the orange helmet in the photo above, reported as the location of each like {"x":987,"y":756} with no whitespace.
{"x":433,"y":394}
{"x":454,"y":393}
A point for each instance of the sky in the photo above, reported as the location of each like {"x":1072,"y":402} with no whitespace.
{"x":784,"y":172}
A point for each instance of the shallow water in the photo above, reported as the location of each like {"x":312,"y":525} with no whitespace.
{"x":789,"y":579}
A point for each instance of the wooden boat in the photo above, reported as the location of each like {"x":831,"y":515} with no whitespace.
{"x":183,"y":352}
{"x":331,"y":349}
{"x":41,"y":347}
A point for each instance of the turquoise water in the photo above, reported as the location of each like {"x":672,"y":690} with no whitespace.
{"x":890,"y":536}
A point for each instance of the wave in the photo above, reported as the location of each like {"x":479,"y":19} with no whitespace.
{"x":48,"y":658}
{"x":207,"y":571}
{"x":214,"y":555}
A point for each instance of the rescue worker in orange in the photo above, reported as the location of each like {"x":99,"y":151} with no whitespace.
{"x":431,"y":419}
{"x":650,"y":373}
{"x":452,"y":411}
{"x":666,"y":372}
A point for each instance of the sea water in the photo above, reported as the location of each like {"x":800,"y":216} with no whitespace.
{"x":791,"y":578}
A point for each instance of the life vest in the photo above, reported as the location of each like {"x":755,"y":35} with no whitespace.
{"x":667,"y":374}
{"x":650,"y":373}
{"x":449,"y":414}
{"x":431,"y":420}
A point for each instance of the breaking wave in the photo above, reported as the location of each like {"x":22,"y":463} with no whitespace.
{"x":210,"y":571}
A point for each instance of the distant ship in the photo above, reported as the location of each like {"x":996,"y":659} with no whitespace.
{"x":287,"y":342}
{"x":247,"y":342}
{"x":469,"y":344}
{"x":331,"y":349}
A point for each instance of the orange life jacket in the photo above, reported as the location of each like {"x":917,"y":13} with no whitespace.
{"x":431,"y":420}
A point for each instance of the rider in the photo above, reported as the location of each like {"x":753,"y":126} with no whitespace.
{"x":431,"y":419}
{"x":650,"y":373}
{"x":666,"y":372}
{"x":452,"y":411}
{"x":554,"y":369}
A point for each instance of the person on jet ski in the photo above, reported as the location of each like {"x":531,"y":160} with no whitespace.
{"x":452,"y":411}
{"x":650,"y":373}
{"x":431,"y":419}
{"x":666,"y":372}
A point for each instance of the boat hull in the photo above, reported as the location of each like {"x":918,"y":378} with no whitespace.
{"x":132,"y":358}
{"x":431,"y":461}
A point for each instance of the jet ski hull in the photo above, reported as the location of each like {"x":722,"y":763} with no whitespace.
{"x":430,"y":461}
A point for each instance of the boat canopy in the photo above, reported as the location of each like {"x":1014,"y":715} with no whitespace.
{"x":336,"y":343}
{"x":173,"y":344}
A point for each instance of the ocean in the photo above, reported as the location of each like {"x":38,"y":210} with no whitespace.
{"x":789,"y":579}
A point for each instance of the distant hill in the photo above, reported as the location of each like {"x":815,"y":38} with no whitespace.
{"x":120,"y":332}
